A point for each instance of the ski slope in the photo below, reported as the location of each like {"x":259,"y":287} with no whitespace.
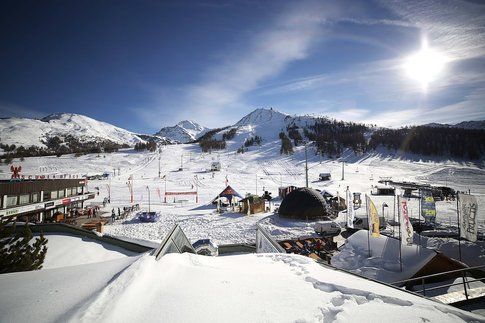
{"x":250,"y":172}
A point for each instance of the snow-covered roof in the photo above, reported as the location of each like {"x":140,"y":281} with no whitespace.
{"x":383,"y":264}
{"x":69,"y":250}
{"x":194,"y":288}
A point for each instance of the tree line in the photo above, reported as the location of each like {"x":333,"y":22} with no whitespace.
{"x":59,"y":146}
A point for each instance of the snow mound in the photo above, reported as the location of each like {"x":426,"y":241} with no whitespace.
{"x":252,"y":288}
{"x":32,"y":132}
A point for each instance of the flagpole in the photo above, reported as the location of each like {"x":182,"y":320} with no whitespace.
{"x":458,"y":223}
{"x":347,"y":214}
{"x":419,"y":217}
{"x":394,"y":213}
{"x":400,"y":238}
{"x":368,"y":223}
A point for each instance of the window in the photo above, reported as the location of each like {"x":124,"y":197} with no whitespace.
{"x":61,"y":193}
{"x":35,"y":197}
{"x":11,"y":200}
{"x":54,"y":195}
{"x":24,"y":199}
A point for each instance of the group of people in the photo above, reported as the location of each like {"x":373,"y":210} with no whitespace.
{"x":126,"y":211}
{"x":91,"y":212}
{"x":106,"y":200}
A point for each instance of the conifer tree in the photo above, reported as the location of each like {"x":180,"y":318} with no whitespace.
{"x":17,"y":253}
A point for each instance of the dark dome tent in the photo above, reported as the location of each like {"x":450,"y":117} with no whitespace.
{"x":304,"y":204}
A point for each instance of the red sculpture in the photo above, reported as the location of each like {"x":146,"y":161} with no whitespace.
{"x":15,"y":171}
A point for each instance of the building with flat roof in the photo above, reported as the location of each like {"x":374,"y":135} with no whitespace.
{"x":38,"y":200}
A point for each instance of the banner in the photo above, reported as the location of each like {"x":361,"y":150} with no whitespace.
{"x":373,"y":217}
{"x":406,"y":226}
{"x":428,"y":206}
{"x":467,"y":208}
{"x":350,"y":210}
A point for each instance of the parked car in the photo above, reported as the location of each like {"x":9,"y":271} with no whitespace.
{"x":327,"y":228}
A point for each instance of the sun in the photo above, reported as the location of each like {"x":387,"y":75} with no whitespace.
{"x":426,"y":65}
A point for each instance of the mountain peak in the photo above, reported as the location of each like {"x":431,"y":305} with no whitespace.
{"x":190,"y":125}
{"x":184,"y":131}
{"x":262,"y":115}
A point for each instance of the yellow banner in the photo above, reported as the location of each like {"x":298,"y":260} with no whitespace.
{"x":373,"y":217}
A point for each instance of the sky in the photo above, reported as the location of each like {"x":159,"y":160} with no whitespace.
{"x":142,"y":65}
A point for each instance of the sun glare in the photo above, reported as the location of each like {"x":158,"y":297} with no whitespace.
{"x":426,"y":65}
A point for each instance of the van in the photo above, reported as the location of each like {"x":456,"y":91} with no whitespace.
{"x":327,"y":228}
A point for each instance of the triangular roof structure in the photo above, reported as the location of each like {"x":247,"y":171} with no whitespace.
{"x":228,"y":193}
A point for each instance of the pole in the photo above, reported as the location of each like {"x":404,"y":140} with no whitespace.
{"x":394,"y":213}
{"x":368,"y":224}
{"x":400,"y":238}
{"x":159,"y":171}
{"x":419,"y":217}
{"x":343,"y":166}
{"x":196,"y":191}
{"x":165,"y":195}
{"x":347,"y":198}
{"x":148,"y":189}
{"x":306,"y":166}
{"x":458,"y":224}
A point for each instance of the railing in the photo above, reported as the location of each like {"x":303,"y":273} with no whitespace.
{"x":460,"y":272}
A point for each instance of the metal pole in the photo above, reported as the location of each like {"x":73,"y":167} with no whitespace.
{"x":463,"y":275}
{"x":159,"y":171}
{"x":419,"y":217}
{"x":343,"y":166}
{"x":458,"y":224}
{"x":148,"y":189}
{"x":400,"y":238}
{"x":394,"y":213}
{"x":256,"y":184}
{"x":368,"y":224}
{"x":306,"y":166}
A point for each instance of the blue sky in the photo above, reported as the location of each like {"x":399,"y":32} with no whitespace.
{"x":145,"y":64}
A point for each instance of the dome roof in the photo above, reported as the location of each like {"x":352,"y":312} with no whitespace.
{"x":304,"y":203}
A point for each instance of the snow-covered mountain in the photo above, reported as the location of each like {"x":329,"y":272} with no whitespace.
{"x":183,"y":132}
{"x":463,"y":125}
{"x":266,"y":124}
{"x":34,"y":132}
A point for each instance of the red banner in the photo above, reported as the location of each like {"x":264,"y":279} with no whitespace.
{"x":180,"y":193}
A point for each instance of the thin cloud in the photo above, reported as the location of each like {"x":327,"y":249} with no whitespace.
{"x":456,"y":26}
{"x":470,"y":108}
{"x":289,"y":38}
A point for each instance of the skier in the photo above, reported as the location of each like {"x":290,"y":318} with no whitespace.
{"x":113,"y":215}
{"x":119,"y":213}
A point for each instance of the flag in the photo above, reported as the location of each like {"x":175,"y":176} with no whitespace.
{"x":350,"y":210}
{"x":467,"y":211}
{"x":406,"y":227}
{"x":373,"y":217}
{"x":428,"y":206}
